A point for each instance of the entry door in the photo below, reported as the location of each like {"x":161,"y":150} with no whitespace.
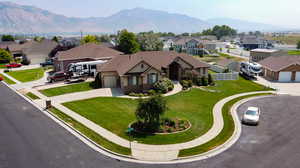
{"x":285,"y":76}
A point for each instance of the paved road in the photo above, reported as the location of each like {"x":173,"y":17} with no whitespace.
{"x":30,"y":139}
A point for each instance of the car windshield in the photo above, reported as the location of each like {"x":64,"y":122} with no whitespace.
{"x":250,"y":112}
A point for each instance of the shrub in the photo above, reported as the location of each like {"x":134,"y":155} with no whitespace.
{"x":185,"y":84}
{"x":204,"y":81}
{"x":5,"y":56}
{"x":163,"y":86}
{"x":210,"y":80}
{"x":98,"y":83}
{"x":151,"y":92}
{"x":6,"y":70}
{"x":199,"y":82}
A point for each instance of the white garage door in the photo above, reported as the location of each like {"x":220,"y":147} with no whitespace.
{"x":285,"y":76}
{"x":297,"y":77}
{"x":110,"y":82}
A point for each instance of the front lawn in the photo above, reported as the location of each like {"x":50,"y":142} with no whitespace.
{"x":294,"y":52}
{"x":27,"y":75}
{"x":115,"y":114}
{"x":85,"y":86}
{"x":7,"y":80}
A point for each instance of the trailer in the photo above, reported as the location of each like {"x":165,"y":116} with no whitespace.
{"x":83,"y":70}
{"x":250,"y":69}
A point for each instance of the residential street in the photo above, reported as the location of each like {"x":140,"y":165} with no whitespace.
{"x":28,"y":138}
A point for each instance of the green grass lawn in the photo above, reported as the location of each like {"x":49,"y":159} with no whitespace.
{"x":294,"y":52}
{"x":2,"y":66}
{"x":7,"y":80}
{"x":32,"y":96}
{"x":85,"y":86}
{"x":115,"y":114}
{"x":225,"y":134}
{"x":27,"y":75}
{"x":90,"y":133}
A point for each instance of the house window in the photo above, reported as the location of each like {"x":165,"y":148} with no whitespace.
{"x":142,"y":66}
{"x":132,"y":80}
{"x":152,"y":78}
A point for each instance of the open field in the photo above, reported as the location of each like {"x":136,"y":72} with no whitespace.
{"x":288,"y":39}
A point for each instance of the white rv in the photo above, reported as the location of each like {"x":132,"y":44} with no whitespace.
{"x":84,"y":68}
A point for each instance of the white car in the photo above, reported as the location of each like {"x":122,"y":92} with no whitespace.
{"x":251,"y":116}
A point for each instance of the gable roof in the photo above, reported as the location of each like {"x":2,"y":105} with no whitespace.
{"x":156,"y":59}
{"x":280,"y":62}
{"x":43,"y":47}
{"x":89,"y":50}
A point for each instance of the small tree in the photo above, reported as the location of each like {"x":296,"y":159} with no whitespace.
{"x":150,"y":110}
{"x":298,"y":45}
{"x":5,"y":56}
{"x":204,"y":81}
{"x":55,"y":38}
{"x":97,"y":83}
{"x":90,"y":39}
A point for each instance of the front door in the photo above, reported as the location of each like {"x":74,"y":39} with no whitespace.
{"x":174,"y":71}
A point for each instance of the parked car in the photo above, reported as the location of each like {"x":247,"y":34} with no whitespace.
{"x":1,"y":79}
{"x":46,"y":63}
{"x":13,"y":65}
{"x":251,"y":116}
{"x":56,"y":76}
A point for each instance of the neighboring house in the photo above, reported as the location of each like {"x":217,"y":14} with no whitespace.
{"x":229,"y":64}
{"x":138,"y":72}
{"x":194,"y":46}
{"x":168,"y":42}
{"x":282,"y":68}
{"x":253,"y":42}
{"x":38,"y":52}
{"x":257,"y":55}
{"x":69,"y":42}
{"x":83,"y":53}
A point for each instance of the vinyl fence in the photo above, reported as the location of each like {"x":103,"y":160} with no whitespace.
{"x":226,"y":76}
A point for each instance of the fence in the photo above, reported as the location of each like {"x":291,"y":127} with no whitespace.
{"x":226,"y":76}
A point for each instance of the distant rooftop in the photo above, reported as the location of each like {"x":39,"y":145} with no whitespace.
{"x":264,"y":50}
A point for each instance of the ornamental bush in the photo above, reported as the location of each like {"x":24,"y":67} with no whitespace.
{"x":163,"y":86}
{"x":5,"y":56}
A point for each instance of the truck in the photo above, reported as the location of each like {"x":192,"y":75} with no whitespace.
{"x":82,"y":70}
{"x":250,"y":69}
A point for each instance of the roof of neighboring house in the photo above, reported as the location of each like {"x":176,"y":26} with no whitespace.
{"x":252,"y":40}
{"x":156,"y":59}
{"x":278,"y":63}
{"x":184,"y":40}
{"x":6,"y":44}
{"x":89,"y":50}
{"x":225,"y":62}
{"x":42,"y":47}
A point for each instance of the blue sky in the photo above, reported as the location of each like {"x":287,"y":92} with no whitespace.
{"x":277,"y":12}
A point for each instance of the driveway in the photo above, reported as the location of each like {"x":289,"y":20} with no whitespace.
{"x":291,"y":88}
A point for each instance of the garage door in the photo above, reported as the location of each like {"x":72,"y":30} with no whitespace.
{"x":297,"y":79}
{"x":285,"y":76}
{"x":110,"y":82}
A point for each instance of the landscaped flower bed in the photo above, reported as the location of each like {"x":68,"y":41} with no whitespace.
{"x":166,"y":126}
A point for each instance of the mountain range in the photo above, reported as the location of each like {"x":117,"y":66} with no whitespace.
{"x":15,"y":18}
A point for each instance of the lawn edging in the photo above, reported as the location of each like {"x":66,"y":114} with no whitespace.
{"x":212,"y":150}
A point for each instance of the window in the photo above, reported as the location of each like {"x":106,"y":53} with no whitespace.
{"x":142,"y":66}
{"x":132,"y":80}
{"x":93,"y":67}
{"x":152,"y":78}
{"x":84,"y":66}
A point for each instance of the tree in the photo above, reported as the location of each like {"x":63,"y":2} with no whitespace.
{"x":149,"y":111}
{"x":97,"y":82}
{"x":5,"y":56}
{"x":55,"y":38}
{"x":298,"y":45}
{"x":127,"y":42}
{"x":185,"y":34}
{"x":220,"y":31}
{"x":90,"y":39}
{"x":8,"y":38}
{"x":210,"y":80}
{"x":149,"y":41}
{"x":38,"y":39}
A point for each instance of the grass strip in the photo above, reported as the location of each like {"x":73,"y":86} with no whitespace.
{"x":79,"y":87}
{"x":32,"y":96}
{"x":7,"y":80}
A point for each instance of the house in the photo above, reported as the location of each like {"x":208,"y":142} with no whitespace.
{"x":83,"y":53}
{"x":281,"y":68}
{"x":138,"y":72}
{"x":258,"y":54}
{"x":168,"y":42}
{"x":253,"y":42}
{"x":229,"y":64}
{"x":194,"y":46}
{"x":38,"y":52}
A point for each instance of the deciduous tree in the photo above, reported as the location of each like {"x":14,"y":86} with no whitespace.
{"x":127,"y":42}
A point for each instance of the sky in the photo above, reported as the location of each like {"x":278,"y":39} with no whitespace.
{"x":277,"y":12}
